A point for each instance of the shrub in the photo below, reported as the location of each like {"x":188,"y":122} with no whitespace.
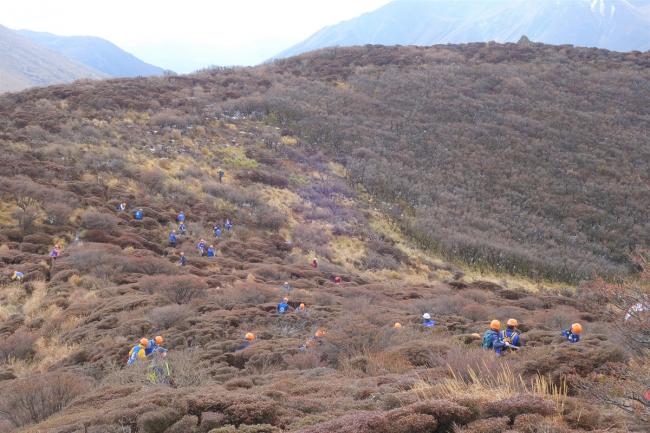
{"x":258,"y":428}
{"x":167,"y":316}
{"x":157,"y":421}
{"x":94,"y":220}
{"x":265,"y":177}
{"x":187,"y":424}
{"x":252,"y":412}
{"x":19,"y":345}
{"x":475,"y":312}
{"x":519,"y":405}
{"x":57,"y":213}
{"x":445,"y":411}
{"x":488,"y":425}
{"x":180,"y":289}
{"x":37,"y":397}
{"x":528,"y":422}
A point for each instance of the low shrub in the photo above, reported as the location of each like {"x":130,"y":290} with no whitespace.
{"x":487,"y":425}
{"x":180,"y":289}
{"x":157,"y":421}
{"x":521,"y":404}
{"x":35,"y":398}
{"x":19,"y":345}
{"x":94,"y":220}
{"x":169,"y":315}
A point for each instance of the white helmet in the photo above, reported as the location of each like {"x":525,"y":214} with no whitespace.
{"x":426,"y":316}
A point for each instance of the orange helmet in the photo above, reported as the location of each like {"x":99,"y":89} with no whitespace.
{"x":495,"y":325}
{"x":302,"y":306}
{"x":144,"y":341}
{"x":576,"y":328}
{"x":310,"y":343}
{"x":397,"y":325}
{"x":158,"y":339}
{"x":250,"y":336}
{"x":513,"y":322}
{"x":320,"y":333}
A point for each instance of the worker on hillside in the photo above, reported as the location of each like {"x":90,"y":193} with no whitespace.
{"x":159,"y":371}
{"x":202,"y":246}
{"x":154,"y":345}
{"x":139,"y":214}
{"x":511,"y":335}
{"x":315,"y":340}
{"x":138,"y":351}
{"x":635,"y":311}
{"x":182,"y":229}
{"x":228,"y":225}
{"x":56,"y":252}
{"x":286,"y":287}
{"x":121,"y":207}
{"x":319,"y":335}
{"x":248,"y":340}
{"x":314,"y":263}
{"x":573,"y":334}
{"x":217,"y":231}
{"x":181,"y":217}
{"x":221,"y":174}
{"x":427,"y":321}
{"x":337,"y":280}
{"x":183,"y":260}
{"x":284,"y":306}
{"x":301,"y":308}
{"x":492,"y":338}
{"x":17,"y":276}
{"x":211,"y":251}
{"x":172,"y":239}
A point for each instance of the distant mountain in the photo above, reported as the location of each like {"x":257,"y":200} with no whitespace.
{"x":97,"y":53}
{"x":619,"y":25}
{"x":24,"y":63}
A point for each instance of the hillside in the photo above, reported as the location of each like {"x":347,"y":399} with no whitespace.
{"x":618,"y":25}
{"x":96,"y":53}
{"x":324,"y":156}
{"x":24,"y":63}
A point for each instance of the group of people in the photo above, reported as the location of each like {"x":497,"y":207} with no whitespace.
{"x":509,"y":339}
{"x":202,"y":246}
{"x":284,"y":307}
{"x":146,"y":348}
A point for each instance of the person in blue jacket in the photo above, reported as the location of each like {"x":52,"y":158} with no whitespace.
{"x":17,"y":276}
{"x":182,"y":229}
{"x":138,"y":351}
{"x":172,"y":239}
{"x":573,"y":334}
{"x":492,"y":338}
{"x":183,"y":260}
{"x":511,"y":335}
{"x":211,"y":251}
{"x":427,"y":321}
{"x":228,"y":224}
{"x":154,"y":345}
{"x":202,"y":246}
{"x":181,"y":217}
{"x":284,"y":306}
{"x":138,"y":215}
{"x":217,"y":231}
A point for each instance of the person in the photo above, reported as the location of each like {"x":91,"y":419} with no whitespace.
{"x":217,"y":231}
{"x":301,"y":308}
{"x":337,"y":280}
{"x":228,"y":225}
{"x":284,"y":306}
{"x":138,"y":351}
{"x":573,"y":333}
{"x":158,"y":371}
{"x":56,"y":251}
{"x":183,"y":260}
{"x":248,"y":340}
{"x":314,"y":263}
{"x":492,"y":338}
{"x":397,"y":325}
{"x":311,"y":342}
{"x":511,"y":335}
{"x":221,"y":174}
{"x":202,"y":245}
{"x":427,"y":321}
{"x":635,"y":310}
{"x":139,"y":214}
{"x":121,"y":207}
{"x":172,"y":239}
{"x":211,"y":251}
{"x":154,"y":345}
{"x":181,"y":217}
{"x":17,"y":276}
{"x":286,"y":287}
{"x":182,"y":229}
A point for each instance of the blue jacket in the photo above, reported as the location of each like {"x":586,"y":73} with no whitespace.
{"x":428,"y":323}
{"x":492,"y":340}
{"x":172,"y":238}
{"x":138,"y":214}
{"x":513,"y":335}
{"x":573,"y":338}
{"x":283,"y":307}
{"x":210,"y":252}
{"x":228,"y":225}
{"x":181,"y":217}
{"x":217,"y":231}
{"x":183,"y":260}
{"x":137,"y":352}
{"x":153,"y":347}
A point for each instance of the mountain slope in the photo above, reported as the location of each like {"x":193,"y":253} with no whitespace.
{"x":24,"y":63}
{"x":96,"y":53}
{"x":612,"y":24}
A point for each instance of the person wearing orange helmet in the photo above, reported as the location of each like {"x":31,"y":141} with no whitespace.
{"x":397,"y":325}
{"x":573,"y":333}
{"x":492,"y":338}
{"x":155,"y":345}
{"x":248,"y":340}
{"x":137,"y":352}
{"x":511,"y":336}
{"x":301,"y":308}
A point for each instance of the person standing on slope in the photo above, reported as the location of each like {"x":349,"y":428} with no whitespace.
{"x":172,"y":239}
{"x":511,"y":335}
{"x":573,"y":333}
{"x":427,"y":321}
{"x":492,"y":338}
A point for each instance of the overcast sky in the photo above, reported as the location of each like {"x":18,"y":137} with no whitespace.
{"x":185,"y":35}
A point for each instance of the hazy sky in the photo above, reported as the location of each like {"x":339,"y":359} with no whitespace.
{"x":184,"y":35}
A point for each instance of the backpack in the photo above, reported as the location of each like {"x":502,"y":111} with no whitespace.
{"x":488,"y":339}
